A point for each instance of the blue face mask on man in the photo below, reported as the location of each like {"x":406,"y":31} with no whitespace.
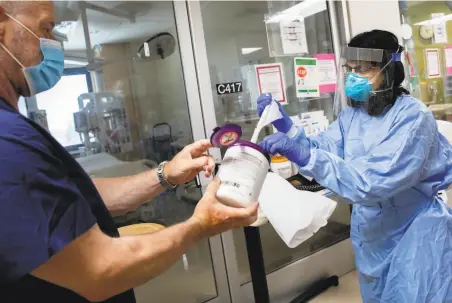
{"x":46,"y":74}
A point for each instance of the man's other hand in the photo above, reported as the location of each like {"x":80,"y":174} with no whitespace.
{"x":214,"y":217}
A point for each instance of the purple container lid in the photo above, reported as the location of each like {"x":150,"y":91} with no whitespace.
{"x":250,"y":144}
{"x":229,"y":135}
{"x":226,"y":135}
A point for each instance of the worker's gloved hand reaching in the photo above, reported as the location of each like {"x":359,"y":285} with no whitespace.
{"x":292,"y":149}
{"x":284,"y":124}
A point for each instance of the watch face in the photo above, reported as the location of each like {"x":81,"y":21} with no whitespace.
{"x":426,"y":31}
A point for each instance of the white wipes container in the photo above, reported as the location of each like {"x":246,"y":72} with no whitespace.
{"x":243,"y":169}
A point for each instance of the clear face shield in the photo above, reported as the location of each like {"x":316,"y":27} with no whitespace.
{"x":365,"y":79}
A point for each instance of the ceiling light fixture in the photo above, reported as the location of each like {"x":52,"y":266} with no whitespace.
{"x":249,"y":50}
{"x":301,"y":10}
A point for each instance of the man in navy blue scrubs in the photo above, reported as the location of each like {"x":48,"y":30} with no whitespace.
{"x":58,"y":241}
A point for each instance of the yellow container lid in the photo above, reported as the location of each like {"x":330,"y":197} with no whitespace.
{"x":279,"y":159}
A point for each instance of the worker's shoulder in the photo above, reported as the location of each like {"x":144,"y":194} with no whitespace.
{"x":411,"y":105}
{"x":410,"y":110}
{"x":17,"y":133}
{"x":10,"y":120}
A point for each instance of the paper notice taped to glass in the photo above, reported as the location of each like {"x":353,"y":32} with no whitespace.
{"x":327,"y":72}
{"x":306,"y":77}
{"x":270,"y":80}
{"x":448,"y":59}
{"x":433,"y":63}
{"x":440,"y":29}
{"x":293,"y":37}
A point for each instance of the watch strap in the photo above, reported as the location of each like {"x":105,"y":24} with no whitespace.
{"x":162,"y":178}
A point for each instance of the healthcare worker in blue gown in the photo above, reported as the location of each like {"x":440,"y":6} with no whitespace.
{"x":385,"y":156}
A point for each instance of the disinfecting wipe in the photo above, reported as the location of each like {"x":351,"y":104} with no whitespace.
{"x":271,"y":113}
{"x":243,"y":169}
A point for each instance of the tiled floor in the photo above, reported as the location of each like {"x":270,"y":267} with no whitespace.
{"x":346,"y":292}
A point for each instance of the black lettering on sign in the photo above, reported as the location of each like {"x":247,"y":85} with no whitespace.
{"x":229,"y":88}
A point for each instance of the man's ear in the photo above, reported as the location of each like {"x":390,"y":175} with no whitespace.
{"x":3,"y":19}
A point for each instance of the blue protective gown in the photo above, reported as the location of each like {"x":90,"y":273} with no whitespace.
{"x":391,"y":168}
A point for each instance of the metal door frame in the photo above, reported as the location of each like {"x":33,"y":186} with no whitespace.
{"x":197,"y":122}
{"x":286,"y":282}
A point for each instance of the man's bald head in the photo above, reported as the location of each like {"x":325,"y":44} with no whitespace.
{"x":17,"y":7}
{"x":38,"y":17}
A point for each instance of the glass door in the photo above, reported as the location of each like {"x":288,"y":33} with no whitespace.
{"x":243,"y":42}
{"x":122,"y":107}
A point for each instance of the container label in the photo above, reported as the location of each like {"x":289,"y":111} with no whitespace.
{"x":242,"y":174}
{"x":230,"y":183}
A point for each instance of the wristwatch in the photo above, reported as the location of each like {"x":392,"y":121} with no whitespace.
{"x":162,"y":178}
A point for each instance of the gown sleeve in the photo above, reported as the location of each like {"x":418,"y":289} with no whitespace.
{"x":332,"y":140}
{"x":399,"y":162}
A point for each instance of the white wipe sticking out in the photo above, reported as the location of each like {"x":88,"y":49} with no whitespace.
{"x":296,"y":215}
{"x":271,"y":113}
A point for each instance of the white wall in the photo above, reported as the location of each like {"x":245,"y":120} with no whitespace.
{"x":365,"y":15}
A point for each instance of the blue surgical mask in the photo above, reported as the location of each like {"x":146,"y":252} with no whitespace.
{"x":46,"y":74}
{"x":357,"y":87}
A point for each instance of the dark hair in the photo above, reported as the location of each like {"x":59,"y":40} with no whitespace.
{"x":380,"y":39}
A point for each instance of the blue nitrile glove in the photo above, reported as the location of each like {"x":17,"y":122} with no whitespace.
{"x":280,"y":143}
{"x":284,"y":124}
